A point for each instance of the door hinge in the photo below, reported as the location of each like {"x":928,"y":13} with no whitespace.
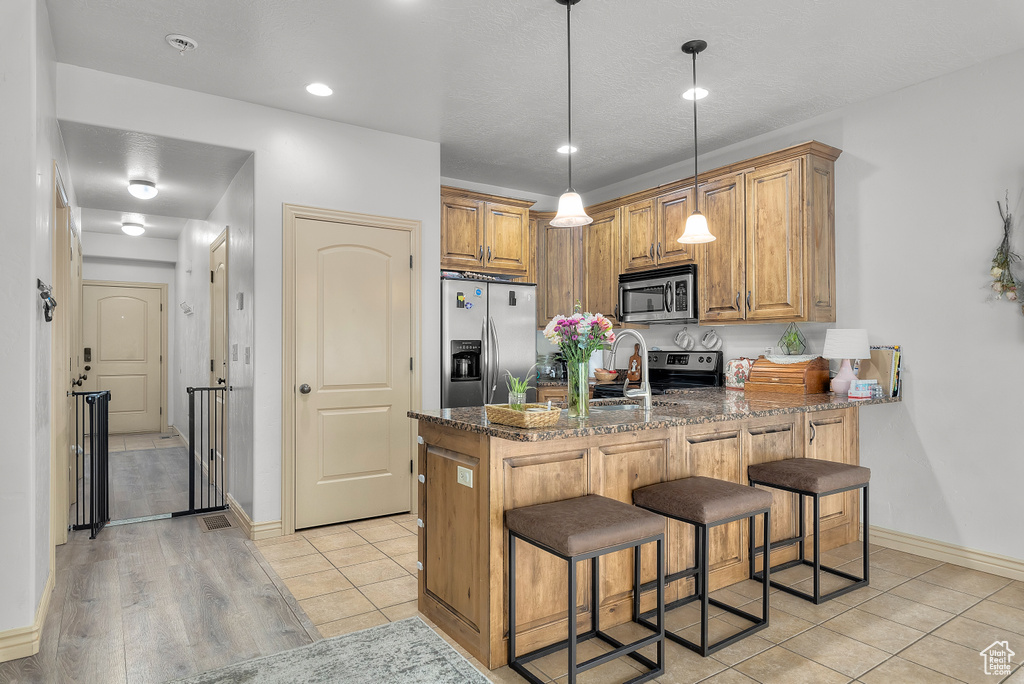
{"x":161,"y":410}
{"x":161,"y":307}
{"x":211,"y":365}
{"x":410,"y":261}
{"x":410,"y":465}
{"x":410,"y":363}
{"x":211,"y":276}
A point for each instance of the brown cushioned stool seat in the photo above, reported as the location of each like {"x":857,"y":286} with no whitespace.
{"x":586,"y":528}
{"x":706,"y":502}
{"x":588,"y":523}
{"x":809,"y":475}
{"x":813,"y":478}
{"x":703,"y":500}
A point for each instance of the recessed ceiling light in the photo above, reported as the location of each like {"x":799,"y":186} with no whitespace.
{"x":701,"y":94}
{"x":133,"y":229}
{"x":319,"y":89}
{"x":142,"y":189}
{"x":565,"y":149}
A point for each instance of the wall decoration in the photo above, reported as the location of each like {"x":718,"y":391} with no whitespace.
{"x":1004,"y":284}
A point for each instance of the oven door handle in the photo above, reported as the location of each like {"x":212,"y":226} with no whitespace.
{"x":668,"y":296}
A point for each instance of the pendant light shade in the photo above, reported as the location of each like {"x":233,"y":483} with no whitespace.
{"x":570,"y":204}
{"x":696,"y":231}
{"x":570,"y":211}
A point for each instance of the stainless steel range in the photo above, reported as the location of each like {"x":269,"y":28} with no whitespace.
{"x":673,"y":370}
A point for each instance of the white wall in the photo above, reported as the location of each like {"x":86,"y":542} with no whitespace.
{"x":131,"y":271}
{"x":300,"y":160}
{"x":29,"y":143}
{"x":916,"y":229}
{"x":234,"y":212}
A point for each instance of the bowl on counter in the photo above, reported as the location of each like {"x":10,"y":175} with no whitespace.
{"x":602,"y":375}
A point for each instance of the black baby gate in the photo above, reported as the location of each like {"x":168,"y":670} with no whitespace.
{"x":90,"y":451}
{"x":206,"y":490}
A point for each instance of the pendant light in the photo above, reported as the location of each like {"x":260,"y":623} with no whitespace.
{"x":570,"y":204}
{"x":696,"y":230}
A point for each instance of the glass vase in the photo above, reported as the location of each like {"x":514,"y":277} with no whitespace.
{"x":579,"y":389}
{"x":516,"y":400}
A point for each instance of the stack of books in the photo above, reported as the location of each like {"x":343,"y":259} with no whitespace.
{"x":883,"y":366}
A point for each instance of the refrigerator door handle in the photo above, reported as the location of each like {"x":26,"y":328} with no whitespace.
{"x":496,"y":363}
{"x":485,"y":373}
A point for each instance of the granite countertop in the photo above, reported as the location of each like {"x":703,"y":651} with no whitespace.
{"x":674,"y":408}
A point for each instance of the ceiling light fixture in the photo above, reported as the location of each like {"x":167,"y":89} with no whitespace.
{"x":701,"y":94}
{"x":570,"y":204}
{"x":133,"y":229}
{"x":565,"y":149}
{"x":696,"y":230}
{"x":142,"y":189}
{"x":319,"y":89}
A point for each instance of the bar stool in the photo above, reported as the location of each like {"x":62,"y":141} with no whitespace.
{"x":588,"y":527}
{"x":814,"y":478}
{"x":706,"y":502}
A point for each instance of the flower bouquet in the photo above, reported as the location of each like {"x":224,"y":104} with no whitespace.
{"x":1003,"y":283}
{"x":578,"y":336}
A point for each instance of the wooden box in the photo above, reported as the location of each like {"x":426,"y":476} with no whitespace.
{"x":804,"y":377}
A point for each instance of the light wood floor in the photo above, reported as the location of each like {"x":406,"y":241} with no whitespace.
{"x":155,"y":601}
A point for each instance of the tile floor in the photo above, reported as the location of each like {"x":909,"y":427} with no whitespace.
{"x":919,"y":621}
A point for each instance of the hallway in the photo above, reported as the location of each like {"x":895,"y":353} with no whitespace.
{"x":156,"y":601}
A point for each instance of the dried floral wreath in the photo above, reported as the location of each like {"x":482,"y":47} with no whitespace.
{"x":1004,"y":284}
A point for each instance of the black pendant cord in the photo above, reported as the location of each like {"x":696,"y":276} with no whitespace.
{"x":568,"y":43}
{"x":696,"y":195}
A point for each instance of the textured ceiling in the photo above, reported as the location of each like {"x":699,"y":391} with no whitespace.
{"x":106,"y":221}
{"x":487,"y":79}
{"x":191,"y":177}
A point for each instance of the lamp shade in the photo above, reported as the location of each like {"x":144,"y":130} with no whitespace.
{"x":696,"y":230}
{"x":846,"y":343}
{"x":570,"y":211}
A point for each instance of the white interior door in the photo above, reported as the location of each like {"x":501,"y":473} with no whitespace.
{"x":353,"y":382}
{"x":219,"y":337}
{"x":123,"y":338}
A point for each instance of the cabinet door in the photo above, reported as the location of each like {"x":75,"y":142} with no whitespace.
{"x":774,"y":259}
{"x":714,"y":451}
{"x":638,"y":236}
{"x":601,"y":265}
{"x":558,"y":271}
{"x":462,"y":233}
{"x":673,"y":210}
{"x":774,"y":439}
{"x":506,"y":238}
{"x":720,"y":277}
{"x":834,"y":436}
{"x":820,"y":224}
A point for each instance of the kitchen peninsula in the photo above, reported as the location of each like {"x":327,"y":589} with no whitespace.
{"x":472,"y":471}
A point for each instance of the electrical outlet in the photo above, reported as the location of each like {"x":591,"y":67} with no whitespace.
{"x":465,"y":477}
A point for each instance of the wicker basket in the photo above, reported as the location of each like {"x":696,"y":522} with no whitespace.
{"x":502,"y":414}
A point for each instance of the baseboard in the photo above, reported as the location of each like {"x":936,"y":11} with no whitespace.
{"x":253,"y":530}
{"x":22,"y":642}
{"x":992,"y":563}
{"x":183,"y":437}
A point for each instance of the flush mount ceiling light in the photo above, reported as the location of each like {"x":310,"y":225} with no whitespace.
{"x":143,"y":189}
{"x":133,"y":229}
{"x":319,"y":89}
{"x":181,"y":43}
{"x":570,"y":204}
{"x":565,"y":149}
{"x":696,"y":230}
{"x":700,"y":94}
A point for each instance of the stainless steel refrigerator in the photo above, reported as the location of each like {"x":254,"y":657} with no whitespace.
{"x":487,"y":328}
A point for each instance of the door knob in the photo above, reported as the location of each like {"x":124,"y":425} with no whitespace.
{"x":305,"y":389}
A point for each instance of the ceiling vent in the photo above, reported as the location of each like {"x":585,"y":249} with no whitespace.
{"x":181,"y":43}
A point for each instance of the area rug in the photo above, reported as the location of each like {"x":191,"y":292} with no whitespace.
{"x":405,"y":652}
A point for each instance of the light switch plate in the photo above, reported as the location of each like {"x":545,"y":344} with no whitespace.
{"x":247,"y":354}
{"x":465,"y":477}
{"x":234,"y":352}
{"x":240,"y":297}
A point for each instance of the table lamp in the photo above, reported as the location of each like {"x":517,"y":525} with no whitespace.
{"x":845,"y":344}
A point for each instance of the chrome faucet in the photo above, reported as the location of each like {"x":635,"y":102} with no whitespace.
{"x":645,"y":384}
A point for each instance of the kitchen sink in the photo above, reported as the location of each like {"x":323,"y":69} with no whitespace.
{"x":615,"y":407}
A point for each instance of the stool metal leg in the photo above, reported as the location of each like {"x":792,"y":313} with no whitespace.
{"x":867,"y":526}
{"x":767,"y":563}
{"x":511,"y":597}
{"x":595,"y":593}
{"x":636,"y":583}
{"x":572,"y":621}
{"x":705,"y":564}
{"x":660,"y":601}
{"x":817,"y":548}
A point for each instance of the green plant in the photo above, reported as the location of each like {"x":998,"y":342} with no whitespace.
{"x":518,"y":386}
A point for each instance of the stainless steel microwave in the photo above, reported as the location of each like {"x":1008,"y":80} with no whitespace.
{"x":665,"y":295}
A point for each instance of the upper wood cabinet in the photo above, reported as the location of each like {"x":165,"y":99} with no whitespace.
{"x":601,"y":242}
{"x":558,"y":270}
{"x":484,"y":232}
{"x":721,"y":279}
{"x":673,"y":210}
{"x":639,"y":235}
{"x":774,"y":253}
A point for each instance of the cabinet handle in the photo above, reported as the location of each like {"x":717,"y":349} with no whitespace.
{"x":481,"y":253}
{"x":659,"y":249}
{"x":748,"y":300}
{"x":812,"y":434}
{"x":652,"y":250}
{"x":488,"y":253}
{"x":737,"y":301}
